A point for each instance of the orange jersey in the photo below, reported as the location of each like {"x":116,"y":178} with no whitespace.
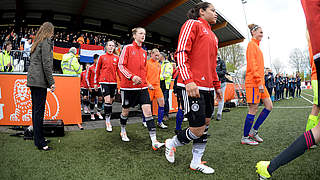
{"x":313,"y":66}
{"x":255,"y":65}
{"x":153,"y":73}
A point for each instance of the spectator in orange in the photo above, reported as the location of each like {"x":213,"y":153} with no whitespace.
{"x":255,"y":88}
{"x":80,"y":40}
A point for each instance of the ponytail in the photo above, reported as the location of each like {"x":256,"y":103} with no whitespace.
{"x":193,"y":13}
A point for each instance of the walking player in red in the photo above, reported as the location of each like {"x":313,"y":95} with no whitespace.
{"x":197,"y":61}
{"x":94,"y":91}
{"x":134,"y":88}
{"x":84,"y":89}
{"x":106,"y":76}
{"x":311,"y":137}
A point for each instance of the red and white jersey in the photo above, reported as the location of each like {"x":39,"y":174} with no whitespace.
{"x":83,"y":82}
{"x":197,"y":55}
{"x":132,"y":62}
{"x":106,"y":70}
{"x":311,"y":10}
{"x":90,"y":75}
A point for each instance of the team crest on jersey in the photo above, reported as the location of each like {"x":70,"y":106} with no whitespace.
{"x":133,"y":53}
{"x":205,"y":30}
{"x":195,"y":107}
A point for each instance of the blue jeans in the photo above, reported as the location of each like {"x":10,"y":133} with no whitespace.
{"x":166,"y":101}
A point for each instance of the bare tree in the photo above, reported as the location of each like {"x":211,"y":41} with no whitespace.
{"x":233,"y":55}
{"x":298,"y":59}
{"x":277,"y":65}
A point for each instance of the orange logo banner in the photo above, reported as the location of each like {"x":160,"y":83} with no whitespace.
{"x":16,"y":105}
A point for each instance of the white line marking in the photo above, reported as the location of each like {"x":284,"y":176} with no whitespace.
{"x":307,"y":100}
{"x":284,"y":107}
{"x":308,"y":94}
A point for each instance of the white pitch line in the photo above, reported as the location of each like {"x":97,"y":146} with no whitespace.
{"x":308,"y":94}
{"x":285,"y":107}
{"x":307,"y":100}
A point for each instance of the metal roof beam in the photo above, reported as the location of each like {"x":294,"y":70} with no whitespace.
{"x":219,"y":26}
{"x":164,"y":10}
{"x":227,"y":43}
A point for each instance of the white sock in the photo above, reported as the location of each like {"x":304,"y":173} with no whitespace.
{"x":153,"y":136}
{"x":123,"y":128}
{"x":175,"y":142}
{"x":197,"y":152}
{"x":107,"y":119}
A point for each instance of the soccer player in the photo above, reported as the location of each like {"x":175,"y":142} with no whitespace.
{"x":106,"y":76}
{"x":311,"y":137}
{"x":255,"y":88}
{"x":197,"y":61}
{"x":153,"y":69}
{"x":94,"y":90}
{"x":84,"y":89}
{"x":132,"y":65}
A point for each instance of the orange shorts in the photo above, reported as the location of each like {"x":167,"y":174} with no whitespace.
{"x":155,"y":94}
{"x":253,"y":96}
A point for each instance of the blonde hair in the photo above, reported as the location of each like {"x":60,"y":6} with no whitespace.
{"x":253,"y":27}
{"x":134,"y":30}
{"x":46,"y":30}
{"x":155,"y":50}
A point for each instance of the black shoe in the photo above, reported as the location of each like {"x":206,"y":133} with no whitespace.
{"x":47,"y":141}
{"x":45,"y":148}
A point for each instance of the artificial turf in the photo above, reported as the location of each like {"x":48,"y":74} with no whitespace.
{"x":96,"y":154}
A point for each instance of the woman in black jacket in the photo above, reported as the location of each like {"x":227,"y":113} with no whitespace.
{"x":39,"y":79}
{"x":298,"y":79}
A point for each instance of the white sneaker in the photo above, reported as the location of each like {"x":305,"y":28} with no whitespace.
{"x":86,"y":110}
{"x":185,"y":119}
{"x":248,"y":141}
{"x":99,"y":115}
{"x":156,"y":145}
{"x":92,"y":117}
{"x":108,"y":127}
{"x":202,"y":168}
{"x":170,"y":150}
{"x":254,"y":134}
{"x":124,"y":137}
{"x":144,"y":124}
{"x":162,"y":126}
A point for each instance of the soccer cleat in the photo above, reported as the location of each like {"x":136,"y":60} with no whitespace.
{"x":254,"y":134}
{"x":262,"y":169}
{"x":99,"y":115}
{"x":124,"y":137}
{"x":144,"y":124}
{"x":108,"y":127}
{"x":156,"y":145}
{"x":314,"y":146}
{"x":170,"y":150}
{"x":92,"y":117}
{"x":202,"y":168}
{"x":86,"y":110}
{"x":248,"y":141}
{"x":162,"y":126}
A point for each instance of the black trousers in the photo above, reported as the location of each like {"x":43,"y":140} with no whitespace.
{"x":38,"y":97}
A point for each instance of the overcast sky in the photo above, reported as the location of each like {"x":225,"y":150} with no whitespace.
{"x":282,"y":20}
